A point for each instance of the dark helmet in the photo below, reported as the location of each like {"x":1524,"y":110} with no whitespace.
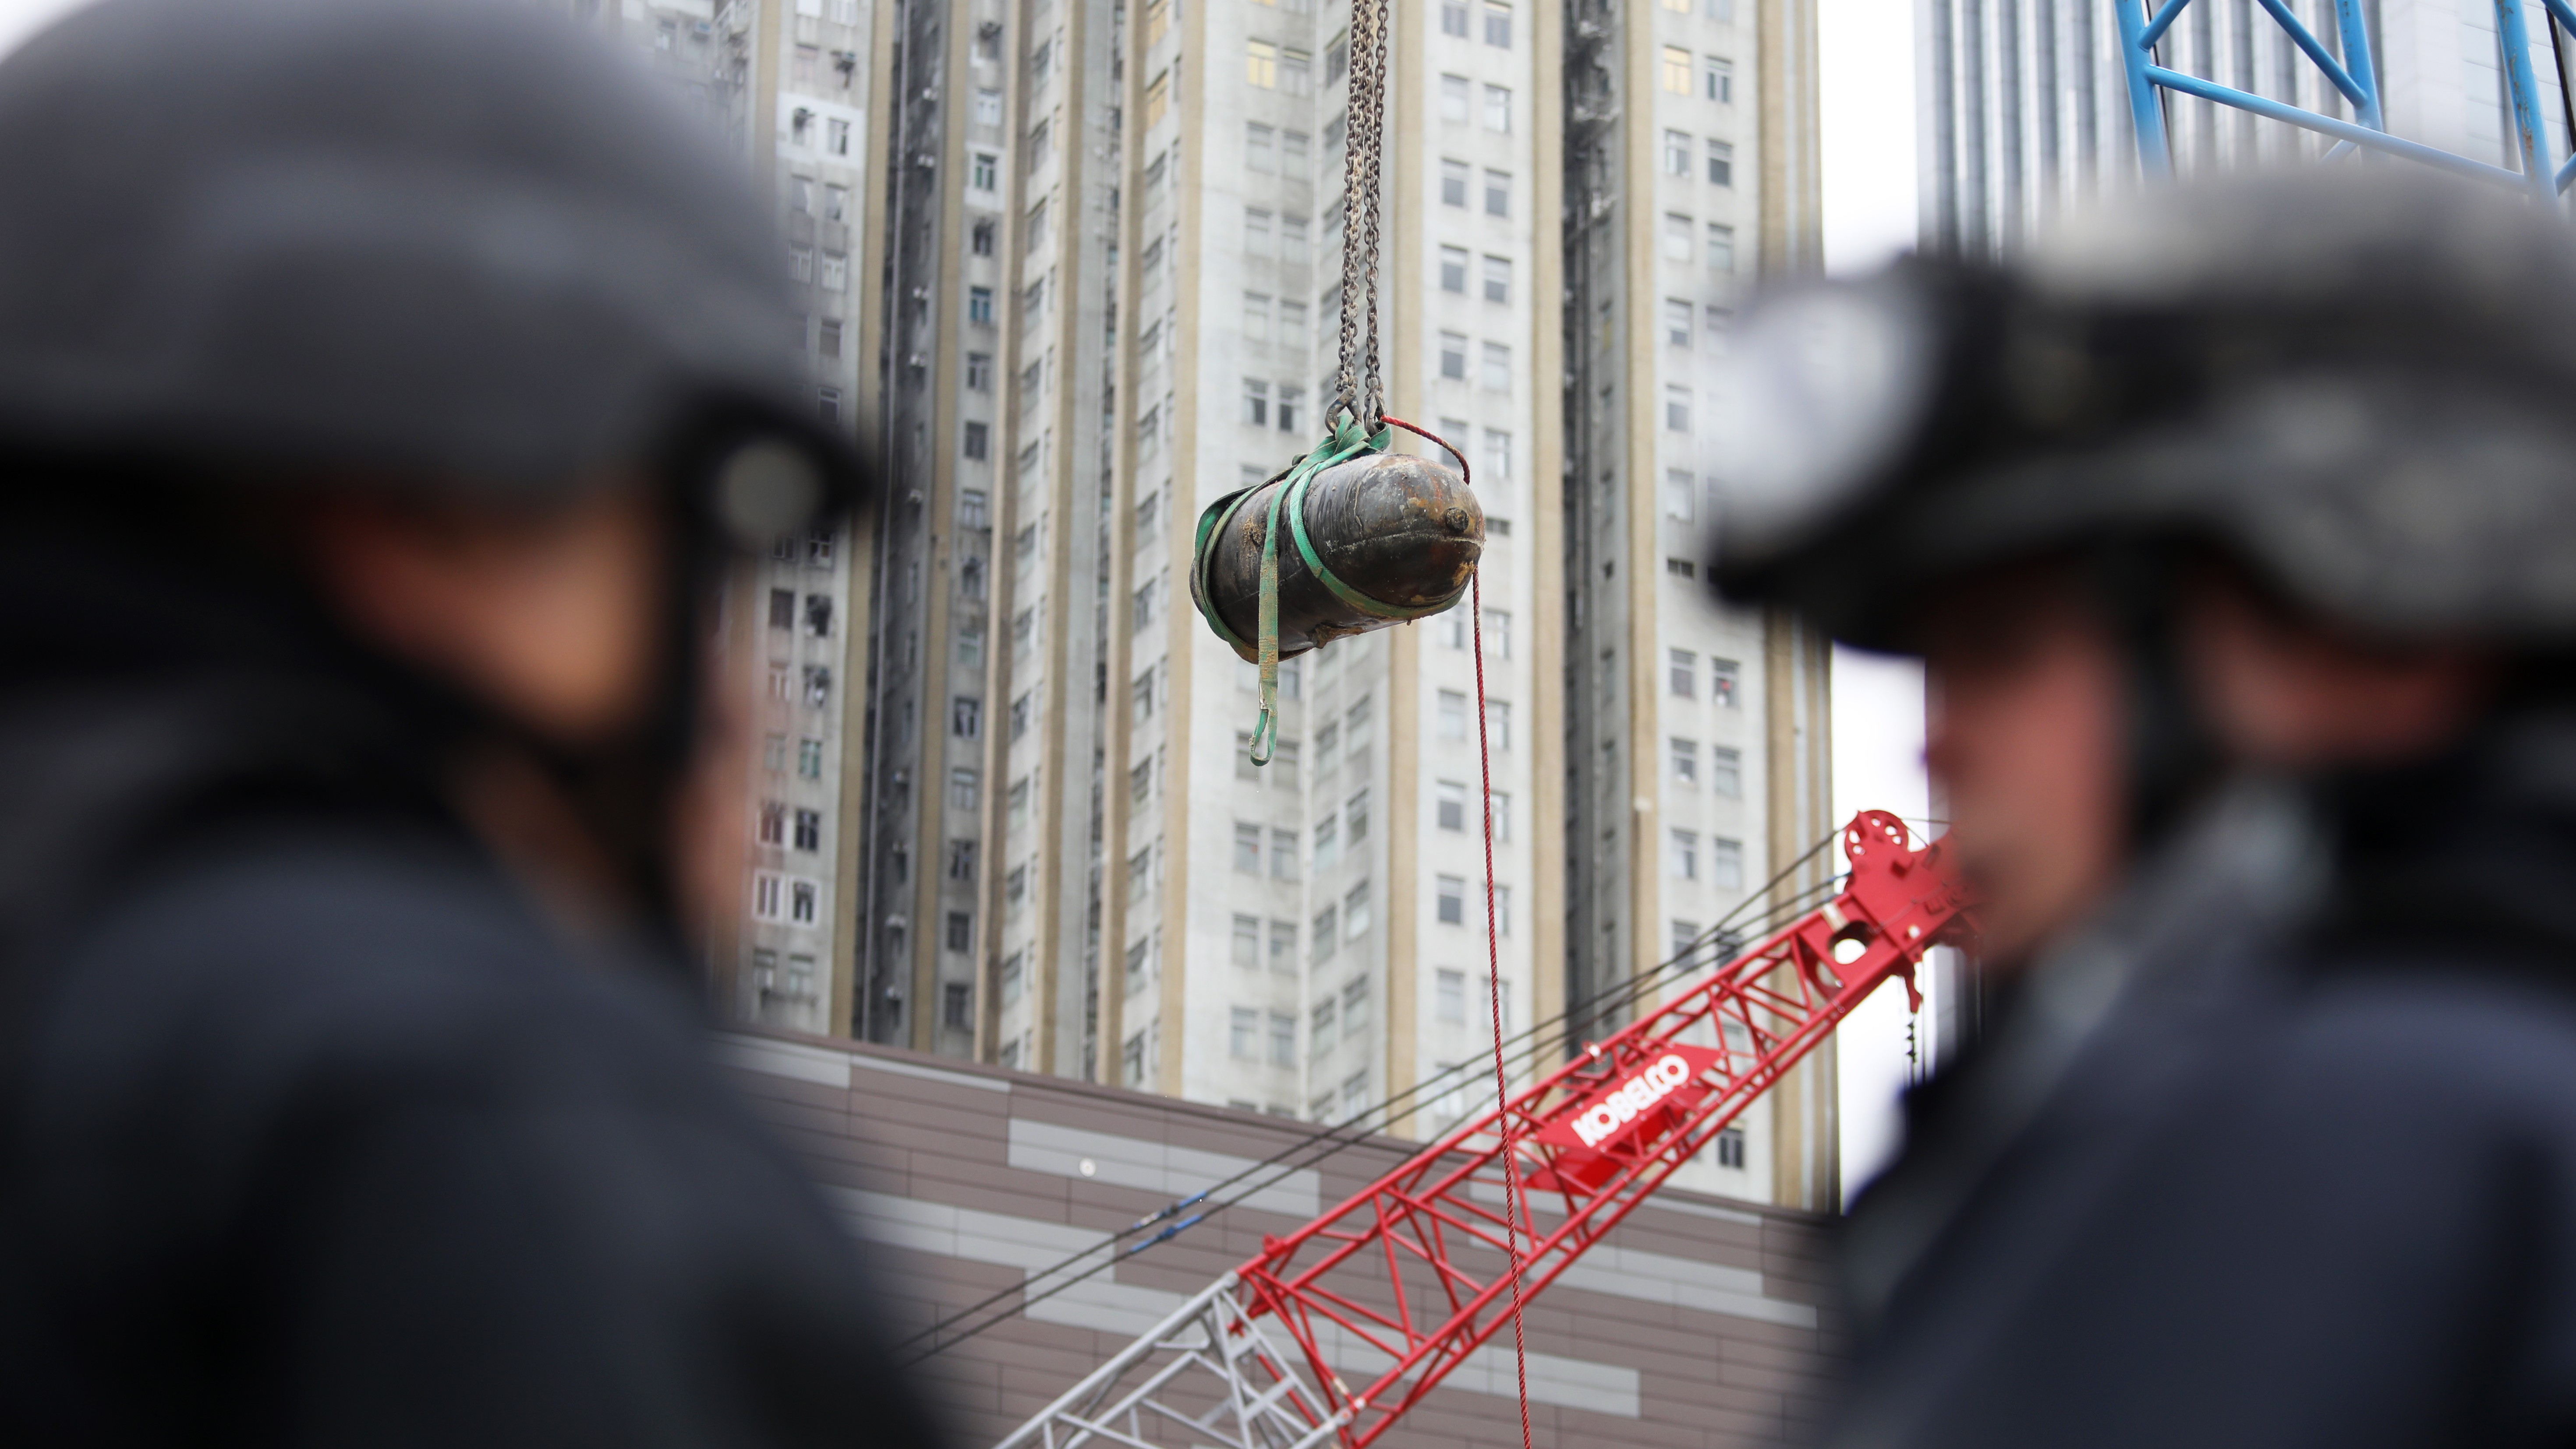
{"x":409,"y":242}
{"x":2361,"y":384}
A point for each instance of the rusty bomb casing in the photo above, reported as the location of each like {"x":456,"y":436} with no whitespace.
{"x":1405,"y":531}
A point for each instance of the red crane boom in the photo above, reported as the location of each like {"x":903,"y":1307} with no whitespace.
{"x":1416,"y":1270}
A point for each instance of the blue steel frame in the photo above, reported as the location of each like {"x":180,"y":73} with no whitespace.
{"x":2357,"y":77}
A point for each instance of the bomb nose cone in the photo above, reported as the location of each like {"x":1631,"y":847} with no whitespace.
{"x":1402,"y":533}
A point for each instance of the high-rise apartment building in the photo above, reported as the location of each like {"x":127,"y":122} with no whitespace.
{"x":2025,"y":106}
{"x":789,"y":86}
{"x":1695,"y":740}
{"x":1115,"y":291}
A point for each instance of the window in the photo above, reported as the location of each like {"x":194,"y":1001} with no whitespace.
{"x":1154,"y":170}
{"x":1498,"y":193}
{"x":1681,"y":491}
{"x":800,"y":263}
{"x":1356,"y":725}
{"x":836,"y":137}
{"x":1721,"y":164}
{"x":988,"y":42}
{"x":1319,"y":1034}
{"x":1685,"y":756}
{"x":773,"y":753}
{"x":1292,"y":325}
{"x":978,"y":443}
{"x":1261,"y":64}
{"x":1449,"y":997}
{"x":1717,"y":81}
{"x":1685,"y":854}
{"x":1283,"y":1039}
{"x":1018,"y":806}
{"x":961,"y":860}
{"x":1296,"y":71}
{"x":1158,"y":20}
{"x":1498,"y":24}
{"x":768,"y":893}
{"x":1140,"y":880}
{"x":1450,"y":711}
{"x":984,"y":171}
{"x":1260,"y":148}
{"x":1246,"y":941}
{"x":1725,"y":771}
{"x":961,"y":931}
{"x":979,"y":305}
{"x":1678,"y":315}
{"x":1337,"y":57}
{"x":827,"y":332}
{"x":1498,"y":109}
{"x":1449,"y":896}
{"x":1355,"y":1095}
{"x":1723,"y":676}
{"x":1453,"y":183}
{"x":782,"y":608}
{"x":1291,"y":398}
{"x":1283,"y":855}
{"x":836,"y":202}
{"x":809,"y":759}
{"x":1256,"y":231}
{"x":1292,"y":239}
{"x":957,"y":1000}
{"x":1355,"y":817}
{"x":1326,"y":936}
{"x":1328,"y":841}
{"x":1496,"y":375}
{"x":1730,"y":1147}
{"x":1453,"y":18}
{"x":1328,"y":742}
{"x":1721,"y":248}
{"x":1131,"y":1060}
{"x":988,"y":107}
{"x":1498,"y":466}
{"x":1454,"y":90}
{"x":1140,"y":782}
{"x":1498,"y":288}
{"x":963,"y":791}
{"x":980,"y":241}
{"x":1678,"y":147}
{"x":1677,"y":408}
{"x":1247,"y":849}
{"x":1676,"y":70}
{"x":1283,"y":945}
{"x":1453,"y":269}
{"x":1256,"y":317}
{"x":1684,"y":671}
{"x":1292,"y":154}
{"x":773,"y":823}
{"x":1243,"y":1034}
{"x":1453,"y":356}
{"x":1256,"y":402}
{"x":827,"y":403}
{"x":1726,"y":863}
{"x":801,"y":896}
{"x":1010,"y":979}
{"x":1498,"y":723}
{"x":818,"y":685}
{"x":1720,"y":321}
{"x":1355,"y":920}
{"x":1041,"y":57}
{"x":809,"y":830}
{"x":1158,"y":96}
{"x":1140,"y":696}
{"x":1500,"y":802}
{"x":970,"y":645}
{"x":1677,"y":237}
{"x":1503,"y":927}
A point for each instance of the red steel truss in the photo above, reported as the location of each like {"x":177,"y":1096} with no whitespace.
{"x":1414,"y":1269}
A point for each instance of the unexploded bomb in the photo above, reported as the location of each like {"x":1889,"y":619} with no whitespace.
{"x":1400,"y":534}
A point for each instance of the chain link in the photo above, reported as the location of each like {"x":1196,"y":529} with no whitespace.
{"x":1359,"y":387}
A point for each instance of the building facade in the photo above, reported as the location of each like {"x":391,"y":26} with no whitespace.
{"x":1113,"y":276}
{"x":1696,"y":741}
{"x":790,"y":87}
{"x":2024,"y":106}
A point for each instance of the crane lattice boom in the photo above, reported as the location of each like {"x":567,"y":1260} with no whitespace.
{"x":1406,"y":1279}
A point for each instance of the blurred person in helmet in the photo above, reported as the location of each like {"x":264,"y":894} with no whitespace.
{"x":383,"y":386}
{"x":2237,"y":529}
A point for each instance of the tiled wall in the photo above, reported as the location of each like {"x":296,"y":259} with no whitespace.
{"x":1698,"y":1324}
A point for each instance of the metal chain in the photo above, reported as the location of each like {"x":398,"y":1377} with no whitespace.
{"x":1359,"y":390}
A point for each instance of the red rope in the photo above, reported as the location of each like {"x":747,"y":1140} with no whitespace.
{"x":1514,"y":1201}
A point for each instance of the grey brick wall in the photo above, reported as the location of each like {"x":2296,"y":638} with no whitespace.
{"x":1700,"y":1324}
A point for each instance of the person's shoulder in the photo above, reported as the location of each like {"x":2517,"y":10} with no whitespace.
{"x":355,"y":949}
{"x":2438,"y":1032}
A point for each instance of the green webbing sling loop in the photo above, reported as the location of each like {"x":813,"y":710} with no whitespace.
{"x":1343,"y":442}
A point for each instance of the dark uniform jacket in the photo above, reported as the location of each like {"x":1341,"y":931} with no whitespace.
{"x":314,"y":1132}
{"x":2281,"y":1154}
